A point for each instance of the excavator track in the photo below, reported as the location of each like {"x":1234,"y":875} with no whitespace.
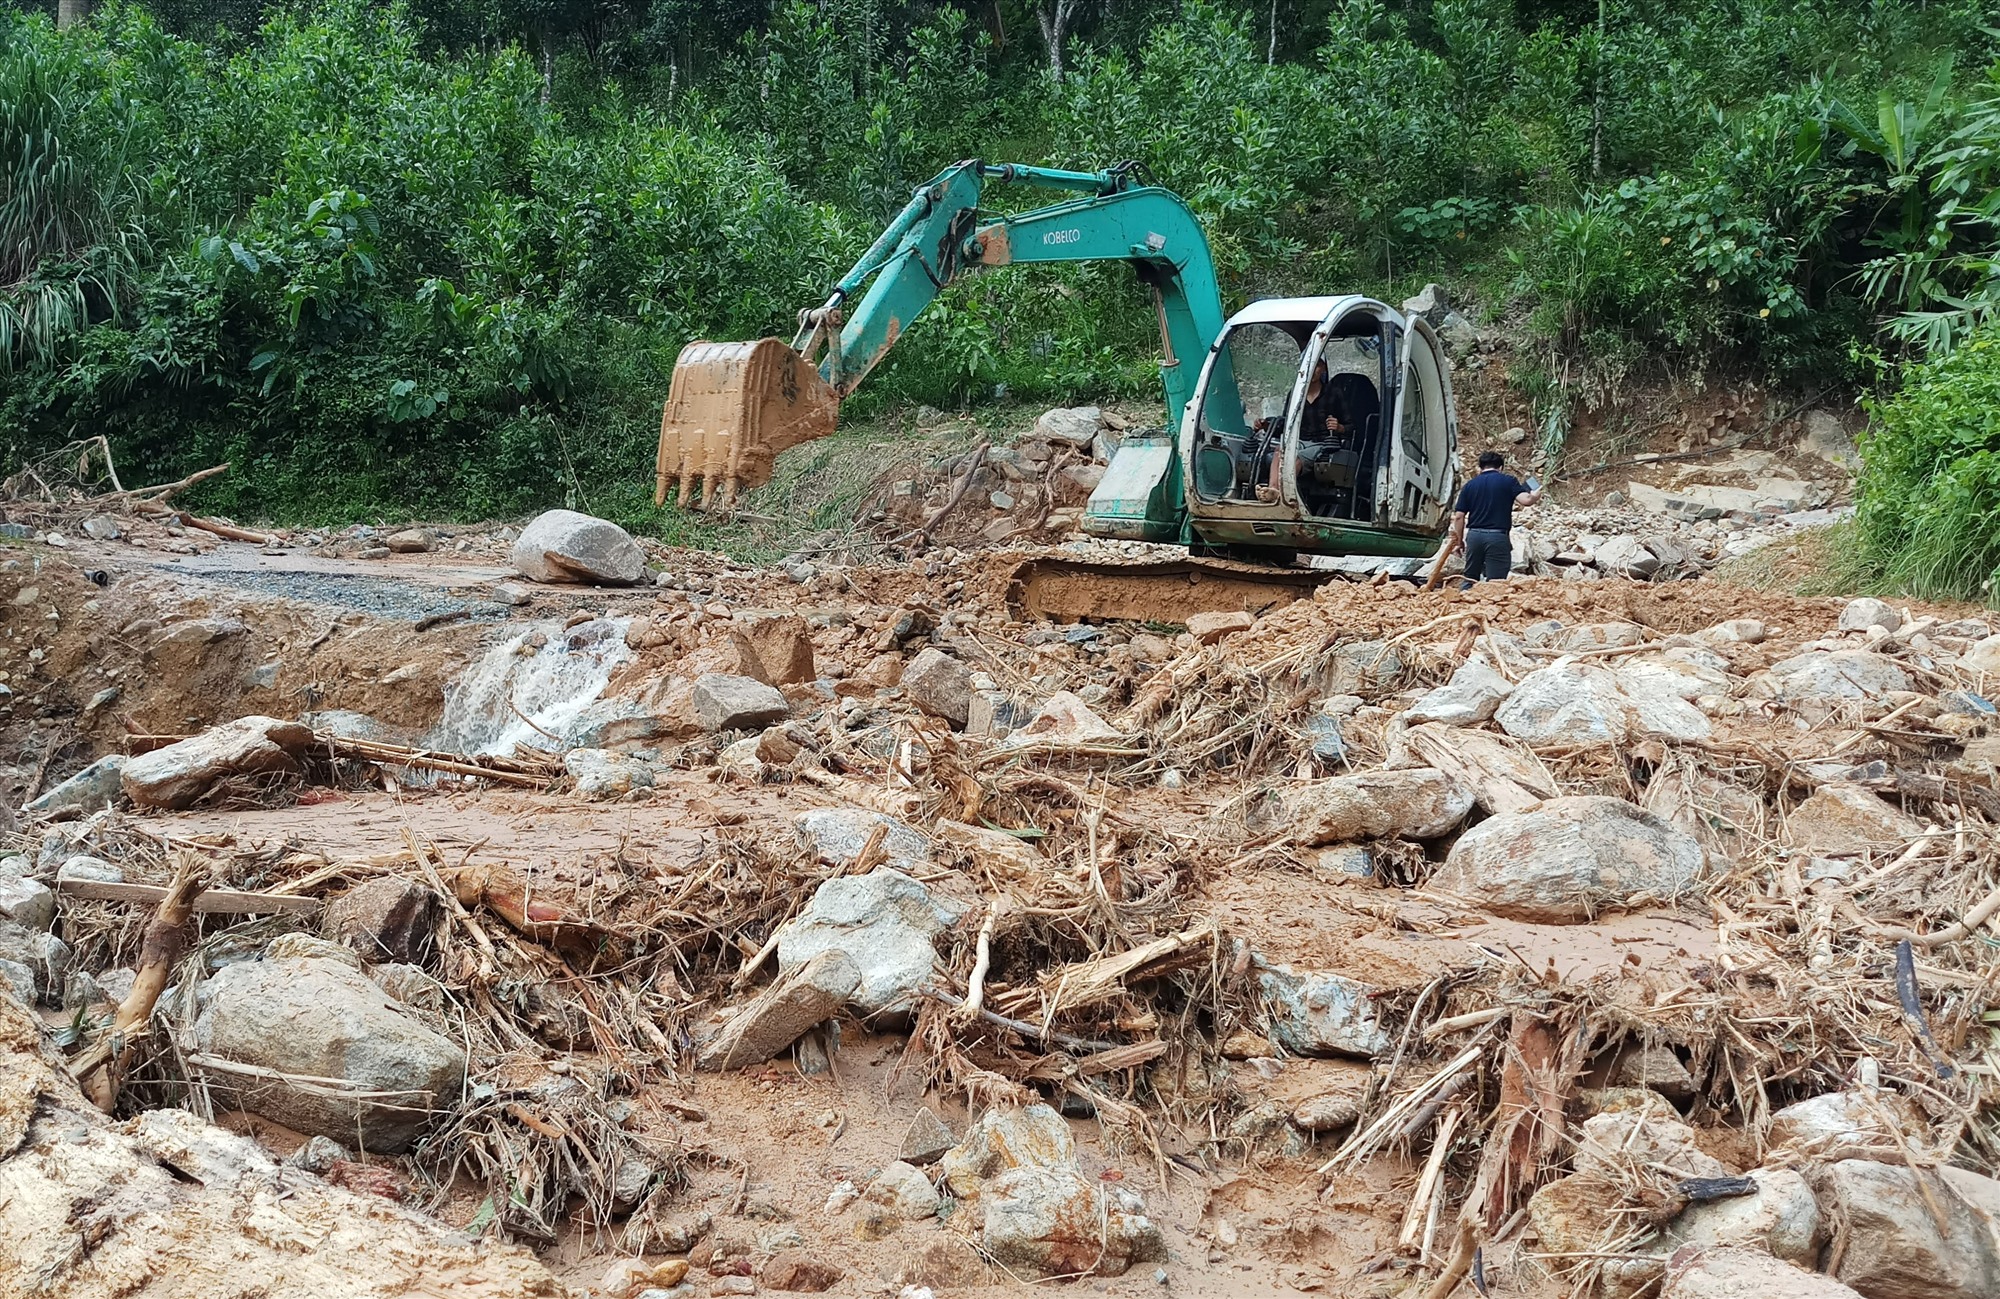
{"x":1065,"y":590}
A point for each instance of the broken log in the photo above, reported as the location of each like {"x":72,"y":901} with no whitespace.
{"x":226,"y":902}
{"x":100,"y":1070}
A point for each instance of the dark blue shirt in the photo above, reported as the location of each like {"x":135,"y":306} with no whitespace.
{"x":1487,"y":500}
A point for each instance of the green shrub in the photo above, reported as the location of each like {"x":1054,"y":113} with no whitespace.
{"x":1929,"y":514}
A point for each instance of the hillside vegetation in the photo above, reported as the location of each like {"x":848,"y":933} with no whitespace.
{"x":439,"y":258}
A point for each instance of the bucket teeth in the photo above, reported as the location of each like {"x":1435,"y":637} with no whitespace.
{"x":733,"y":408}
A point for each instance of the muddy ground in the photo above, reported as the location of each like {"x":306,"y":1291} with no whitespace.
{"x":1181,"y":823}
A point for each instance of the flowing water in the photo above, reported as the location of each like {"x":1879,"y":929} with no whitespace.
{"x":531,"y":687}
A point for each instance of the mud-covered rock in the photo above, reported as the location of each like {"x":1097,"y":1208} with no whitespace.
{"x":1843,"y":818}
{"x":1211,"y":626}
{"x":1319,"y":1012}
{"x":1861,"y":1123}
{"x":838,"y":834}
{"x":799,"y":1271}
{"x":1567,"y":859}
{"x":1582,"y":704}
{"x":1626,"y":557}
{"x":777,"y":1017}
{"x":1474,"y":693}
{"x":903,"y":1190}
{"x":732,"y":703}
{"x":179,"y":774}
{"x":776,"y":648}
{"x":386,"y":919}
{"x":315,"y":1018}
{"x":1894,"y":1248}
{"x":1416,"y":803}
{"x":565,"y":546}
{"x":1744,"y":1273}
{"x":1064,"y":720}
{"x":1056,"y":1223}
{"x":886,"y":921}
{"x":996,"y":850}
{"x":940,"y":686}
{"x":927,"y":1138}
{"x":1033,"y":1136}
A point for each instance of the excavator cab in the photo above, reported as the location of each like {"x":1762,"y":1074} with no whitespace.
{"x":1264,"y":471}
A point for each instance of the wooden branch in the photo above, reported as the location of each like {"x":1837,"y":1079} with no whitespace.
{"x":1025,"y":1029}
{"x":141,"y":497}
{"x":1102,"y":977}
{"x":975,"y":987}
{"x":100,"y":1071}
{"x":506,"y":770}
{"x":958,"y":494}
{"x":208,"y":902}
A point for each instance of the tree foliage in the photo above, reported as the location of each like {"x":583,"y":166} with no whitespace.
{"x":440,"y":256}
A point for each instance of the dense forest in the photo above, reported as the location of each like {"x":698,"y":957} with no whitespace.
{"x":438,"y":257}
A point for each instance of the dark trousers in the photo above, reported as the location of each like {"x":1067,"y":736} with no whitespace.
{"x":1489,"y":553}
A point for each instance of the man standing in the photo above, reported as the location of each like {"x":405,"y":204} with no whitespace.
{"x":1484,"y":520}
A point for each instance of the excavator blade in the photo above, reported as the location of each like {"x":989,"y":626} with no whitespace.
{"x":733,"y":407}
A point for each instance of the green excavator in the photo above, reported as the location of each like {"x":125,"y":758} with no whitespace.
{"x":1265,"y":455}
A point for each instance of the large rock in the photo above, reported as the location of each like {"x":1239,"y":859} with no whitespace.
{"x":1865,"y":1123}
{"x":1587,"y":704}
{"x":1472,"y":696}
{"x":1318,"y":1012}
{"x":1982,"y":657}
{"x":1626,"y":557}
{"x":1844,"y":818}
{"x":96,"y":786}
{"x":316,"y":1017}
{"x":1743,"y":1273}
{"x":1503,"y":774}
{"x":940,"y":686}
{"x":1064,"y":720}
{"x":1781,"y":1216}
{"x":1647,"y":1132}
{"x":564,"y":546}
{"x":802,"y":997}
{"x":1417,"y":803}
{"x":1433,"y":304}
{"x":1868,"y":613}
{"x":606,"y":773}
{"x":386,"y":919}
{"x":26,"y":902}
{"x":1054,"y":1222}
{"x":1894,"y":1247}
{"x":886,"y":921}
{"x":730,"y":703}
{"x":179,"y":774}
{"x":1566,"y":860}
{"x":1830,"y":677}
{"x":838,"y":834}
{"x":776,"y":648}
{"x":164,"y":1206}
{"x":1032,"y":1137}
{"x":1075,"y":426}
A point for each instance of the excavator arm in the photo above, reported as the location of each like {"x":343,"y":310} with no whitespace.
{"x":735,"y":406}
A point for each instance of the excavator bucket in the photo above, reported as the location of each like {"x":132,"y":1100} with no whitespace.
{"x":732,"y":409}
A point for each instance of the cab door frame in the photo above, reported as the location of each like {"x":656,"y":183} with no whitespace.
{"x":1419,"y":474}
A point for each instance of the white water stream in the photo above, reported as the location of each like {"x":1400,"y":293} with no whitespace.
{"x":516,"y":694}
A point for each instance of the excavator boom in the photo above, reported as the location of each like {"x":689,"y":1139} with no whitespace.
{"x":734,"y":407}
